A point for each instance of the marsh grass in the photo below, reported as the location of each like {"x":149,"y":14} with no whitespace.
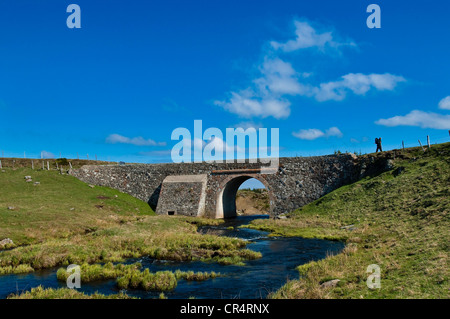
{"x":20,"y":269}
{"x":97,"y":272}
{"x":63,"y":293}
{"x":161,"y":280}
{"x":160,"y":237}
{"x":130,"y":276}
{"x":195,"y":276}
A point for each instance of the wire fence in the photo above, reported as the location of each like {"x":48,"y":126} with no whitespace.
{"x":10,"y":158}
{"x":368,"y":145}
{"x":50,"y":156}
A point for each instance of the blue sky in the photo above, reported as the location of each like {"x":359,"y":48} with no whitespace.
{"x":136,"y":70}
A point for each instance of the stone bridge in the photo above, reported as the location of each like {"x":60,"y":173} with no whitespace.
{"x":209,"y":189}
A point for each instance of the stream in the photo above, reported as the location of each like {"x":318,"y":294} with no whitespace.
{"x":255,"y":280}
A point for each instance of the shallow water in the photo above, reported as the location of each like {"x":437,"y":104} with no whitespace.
{"x":255,"y":280}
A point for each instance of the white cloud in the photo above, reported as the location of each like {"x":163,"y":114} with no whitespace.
{"x":269,"y":93}
{"x":420,"y":119}
{"x":268,"y":96}
{"x":248,"y":124}
{"x":308,"y":37}
{"x":333,"y":131}
{"x":279,"y":77}
{"x":357,"y":83}
{"x":139,"y":141}
{"x":445,"y":103}
{"x":312,"y":134}
{"x":249,"y":104}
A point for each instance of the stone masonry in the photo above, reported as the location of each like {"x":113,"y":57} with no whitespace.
{"x":209,"y":189}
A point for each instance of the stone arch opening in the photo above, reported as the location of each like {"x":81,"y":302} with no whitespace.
{"x":226,"y":200}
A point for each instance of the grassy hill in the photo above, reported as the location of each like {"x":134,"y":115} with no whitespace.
{"x":398,"y":220}
{"x":59,"y":206}
{"x":252,"y":202}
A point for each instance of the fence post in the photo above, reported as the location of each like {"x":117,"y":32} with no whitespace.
{"x":1,"y":164}
{"x":403,"y":145}
{"x":32,"y":165}
{"x":428,"y":142}
{"x":43,"y":165}
{"x":48,"y":166}
{"x":423,"y":149}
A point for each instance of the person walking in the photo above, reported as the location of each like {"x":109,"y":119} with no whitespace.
{"x":378,"y":142}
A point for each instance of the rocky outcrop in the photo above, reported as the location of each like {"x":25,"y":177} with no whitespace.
{"x":6,"y":243}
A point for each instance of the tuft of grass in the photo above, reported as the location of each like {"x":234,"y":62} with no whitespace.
{"x":20,"y":269}
{"x":195,"y":276}
{"x":89,"y":273}
{"x":159,"y":281}
{"x":63,"y":293}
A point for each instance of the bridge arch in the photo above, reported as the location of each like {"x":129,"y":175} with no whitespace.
{"x":226,"y":196}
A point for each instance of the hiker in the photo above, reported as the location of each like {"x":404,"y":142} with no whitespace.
{"x":378,"y":142}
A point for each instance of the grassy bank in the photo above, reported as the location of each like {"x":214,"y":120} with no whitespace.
{"x":398,"y":220}
{"x":59,"y":206}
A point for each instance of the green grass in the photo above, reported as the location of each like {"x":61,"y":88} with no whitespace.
{"x":130,"y":276}
{"x":97,"y":272}
{"x":63,"y":293}
{"x":59,"y":207}
{"x":161,"y":280}
{"x":401,"y":223}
